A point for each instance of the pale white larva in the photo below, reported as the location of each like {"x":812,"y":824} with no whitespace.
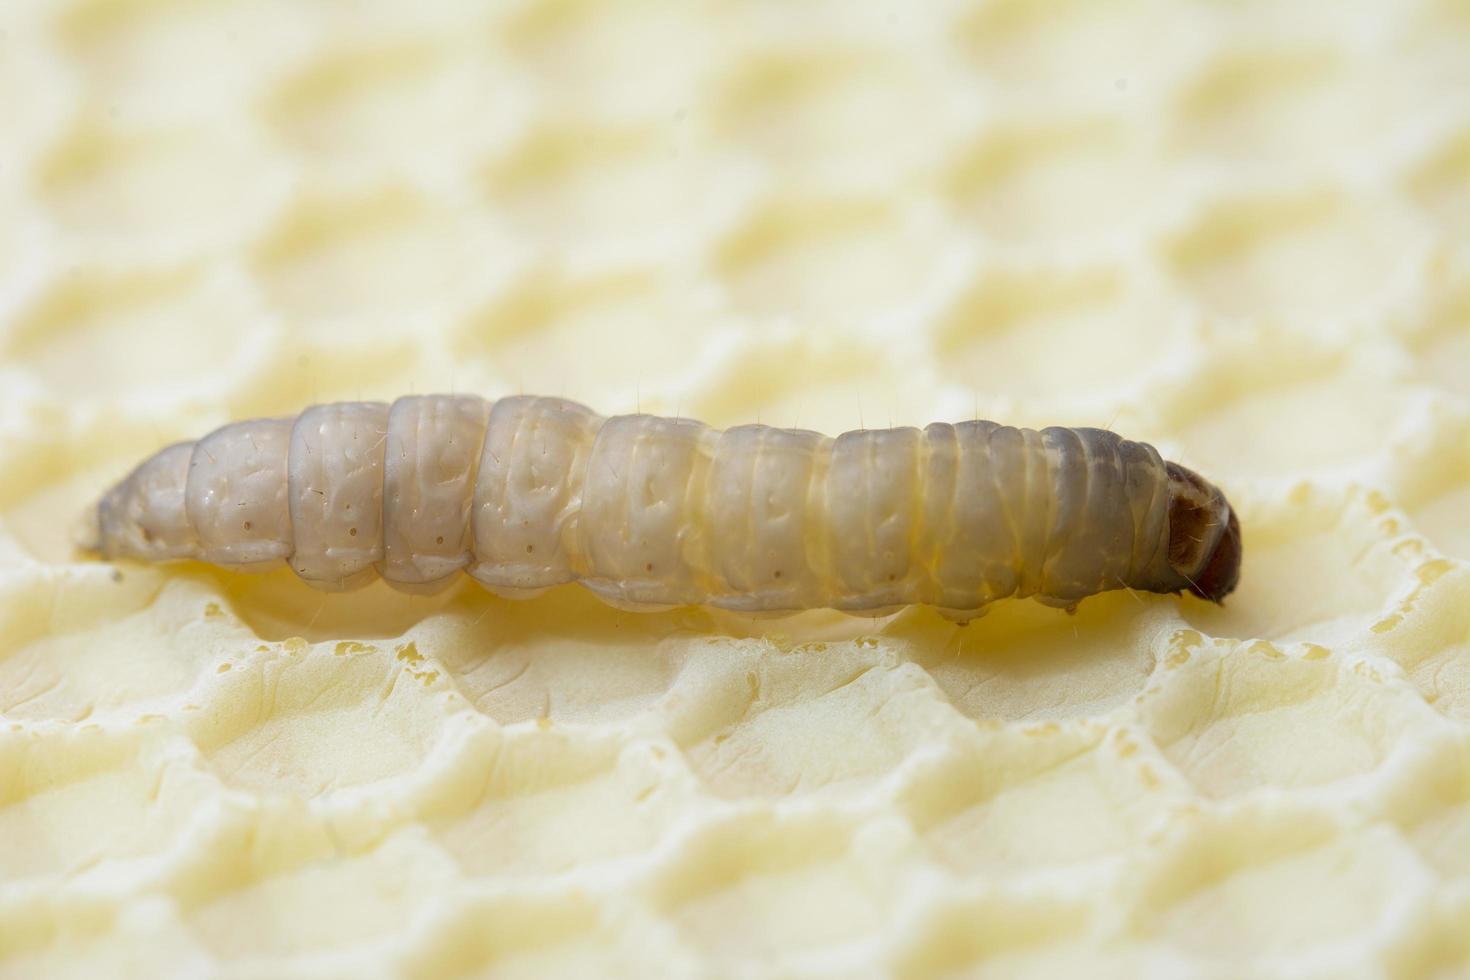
{"x":526,"y":493}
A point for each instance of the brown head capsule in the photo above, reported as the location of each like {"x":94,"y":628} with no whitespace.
{"x":1204,"y":535}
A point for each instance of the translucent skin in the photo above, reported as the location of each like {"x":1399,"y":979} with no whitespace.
{"x":526,"y":493}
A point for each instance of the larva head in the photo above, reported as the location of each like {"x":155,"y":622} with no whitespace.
{"x":1204,"y":535}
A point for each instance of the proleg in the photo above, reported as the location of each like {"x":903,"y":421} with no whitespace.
{"x":527,"y":493}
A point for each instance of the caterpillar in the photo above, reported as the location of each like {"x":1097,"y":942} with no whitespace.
{"x":526,"y":493}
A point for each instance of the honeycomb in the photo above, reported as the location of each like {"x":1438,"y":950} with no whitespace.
{"x":1236,"y":230}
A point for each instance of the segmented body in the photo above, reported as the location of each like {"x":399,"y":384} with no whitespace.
{"x":526,"y":493}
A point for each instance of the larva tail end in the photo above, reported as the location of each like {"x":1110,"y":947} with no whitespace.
{"x":1204,"y":535}
{"x":86,"y":533}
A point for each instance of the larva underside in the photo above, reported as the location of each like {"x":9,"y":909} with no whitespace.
{"x":526,"y":493}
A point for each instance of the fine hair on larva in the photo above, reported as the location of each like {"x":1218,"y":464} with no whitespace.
{"x":526,"y":493}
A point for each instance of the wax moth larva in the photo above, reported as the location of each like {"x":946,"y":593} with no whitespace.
{"x":526,"y":493}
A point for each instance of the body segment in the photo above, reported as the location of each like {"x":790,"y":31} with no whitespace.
{"x":335,"y":476}
{"x":527,"y":493}
{"x":236,"y":494}
{"x":431,"y":459}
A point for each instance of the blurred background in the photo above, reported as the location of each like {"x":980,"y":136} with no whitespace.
{"x":1238,"y":229}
